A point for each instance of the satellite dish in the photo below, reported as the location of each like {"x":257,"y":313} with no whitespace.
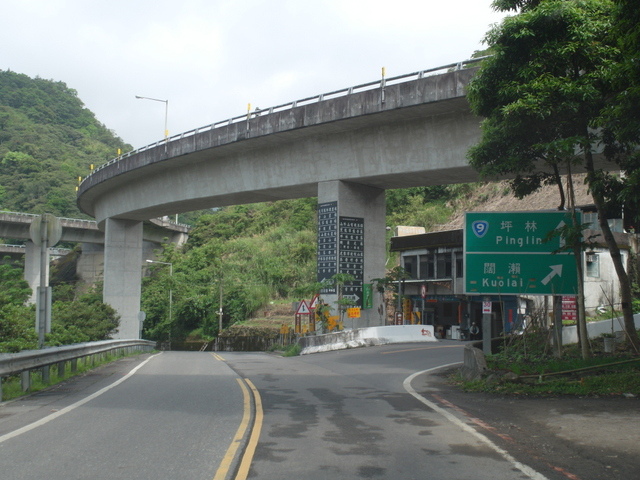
{"x":45,"y":229}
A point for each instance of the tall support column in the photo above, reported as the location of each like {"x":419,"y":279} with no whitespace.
{"x":351,"y":239}
{"x":123,"y":273}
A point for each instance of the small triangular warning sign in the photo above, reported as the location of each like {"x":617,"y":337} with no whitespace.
{"x":303,"y":308}
{"x":314,"y":302}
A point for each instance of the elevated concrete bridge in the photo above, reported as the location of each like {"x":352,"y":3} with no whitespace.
{"x":15,"y":225}
{"x":345,"y":147}
{"x":389,"y":135}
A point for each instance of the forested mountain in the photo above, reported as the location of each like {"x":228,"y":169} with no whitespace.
{"x":47,"y":140}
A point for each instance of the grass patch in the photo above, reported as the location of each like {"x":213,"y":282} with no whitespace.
{"x":12,"y":388}
{"x":538,"y":372}
{"x":620,"y":381}
{"x":292,"y":350}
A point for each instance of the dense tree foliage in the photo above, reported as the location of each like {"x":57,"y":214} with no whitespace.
{"x":17,"y":330}
{"x":544,"y":94}
{"x":47,"y":140}
{"x":74,"y":320}
{"x":86,"y":319}
{"x":248,"y":254}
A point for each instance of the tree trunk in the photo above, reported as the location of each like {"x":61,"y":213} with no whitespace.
{"x":583,"y":334}
{"x":616,"y":258}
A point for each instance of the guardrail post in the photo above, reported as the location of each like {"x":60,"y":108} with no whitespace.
{"x":74,"y":365}
{"x":25,"y":380}
{"x":61,"y":366}
{"x":46,"y":374}
{"x":1,"y":388}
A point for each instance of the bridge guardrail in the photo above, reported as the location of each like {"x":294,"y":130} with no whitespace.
{"x":89,"y":224}
{"x":23,"y":363}
{"x":297,"y":103}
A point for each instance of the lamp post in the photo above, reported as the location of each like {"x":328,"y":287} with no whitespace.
{"x":166,"y":112}
{"x":170,"y":292}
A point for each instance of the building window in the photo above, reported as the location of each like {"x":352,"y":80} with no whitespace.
{"x":459,"y":266}
{"x":443,"y":265}
{"x":424,"y":266}
{"x":427,"y":267}
{"x":431,"y":267}
{"x":411,"y":266}
{"x":593,"y":265}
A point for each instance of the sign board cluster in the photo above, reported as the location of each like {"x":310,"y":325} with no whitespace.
{"x":515,"y":253}
{"x":341,"y":250}
{"x":308,"y":309}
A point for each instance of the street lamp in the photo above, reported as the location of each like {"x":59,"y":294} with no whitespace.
{"x":170,"y":292}
{"x":166,"y":112}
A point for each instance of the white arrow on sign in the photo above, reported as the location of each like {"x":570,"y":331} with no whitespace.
{"x":555,"y":270}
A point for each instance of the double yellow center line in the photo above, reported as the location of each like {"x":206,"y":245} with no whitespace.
{"x":251,"y":396}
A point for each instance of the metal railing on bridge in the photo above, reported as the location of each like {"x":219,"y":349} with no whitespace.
{"x":380,"y":84}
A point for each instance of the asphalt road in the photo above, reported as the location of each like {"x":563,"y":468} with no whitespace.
{"x":348,"y":414}
{"x":173,"y":419}
{"x":379,"y":413}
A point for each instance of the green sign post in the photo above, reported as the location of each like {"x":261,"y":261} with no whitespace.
{"x":511,"y":253}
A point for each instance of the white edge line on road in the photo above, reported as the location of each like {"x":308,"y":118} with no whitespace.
{"x":73,"y":406}
{"x":530,"y":472}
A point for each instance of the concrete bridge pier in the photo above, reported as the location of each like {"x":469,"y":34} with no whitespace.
{"x":123,"y":273}
{"x":351,"y":239}
{"x":91,"y":263}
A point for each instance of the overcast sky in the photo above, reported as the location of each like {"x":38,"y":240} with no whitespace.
{"x":210,"y":58}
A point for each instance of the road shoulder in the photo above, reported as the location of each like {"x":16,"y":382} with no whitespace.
{"x":30,"y":408}
{"x":562,"y":437}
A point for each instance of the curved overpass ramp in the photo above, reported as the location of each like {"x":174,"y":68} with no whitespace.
{"x":411,"y":133}
{"x":345,"y":147}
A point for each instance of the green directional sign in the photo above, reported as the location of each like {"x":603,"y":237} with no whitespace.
{"x":512,"y":253}
{"x":521,"y":274}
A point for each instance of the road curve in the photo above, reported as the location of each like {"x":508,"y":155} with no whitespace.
{"x":339,"y":415}
{"x":347,"y":415}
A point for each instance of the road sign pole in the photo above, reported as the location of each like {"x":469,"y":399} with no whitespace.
{"x":42,"y":289}
{"x":45,"y":232}
{"x":557,"y":324}
{"x":486,"y":327}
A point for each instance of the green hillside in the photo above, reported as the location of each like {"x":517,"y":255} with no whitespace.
{"x":255,"y":254}
{"x":47,"y":140}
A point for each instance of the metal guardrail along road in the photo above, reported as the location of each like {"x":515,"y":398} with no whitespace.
{"x":23,"y":363}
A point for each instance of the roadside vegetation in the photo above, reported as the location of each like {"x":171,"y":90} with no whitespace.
{"x":76,"y":317}
{"x":243,"y":259}
{"x":527,"y":364}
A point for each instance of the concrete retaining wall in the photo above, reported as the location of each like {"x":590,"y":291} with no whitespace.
{"x":595,"y":329}
{"x":364,"y":337}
